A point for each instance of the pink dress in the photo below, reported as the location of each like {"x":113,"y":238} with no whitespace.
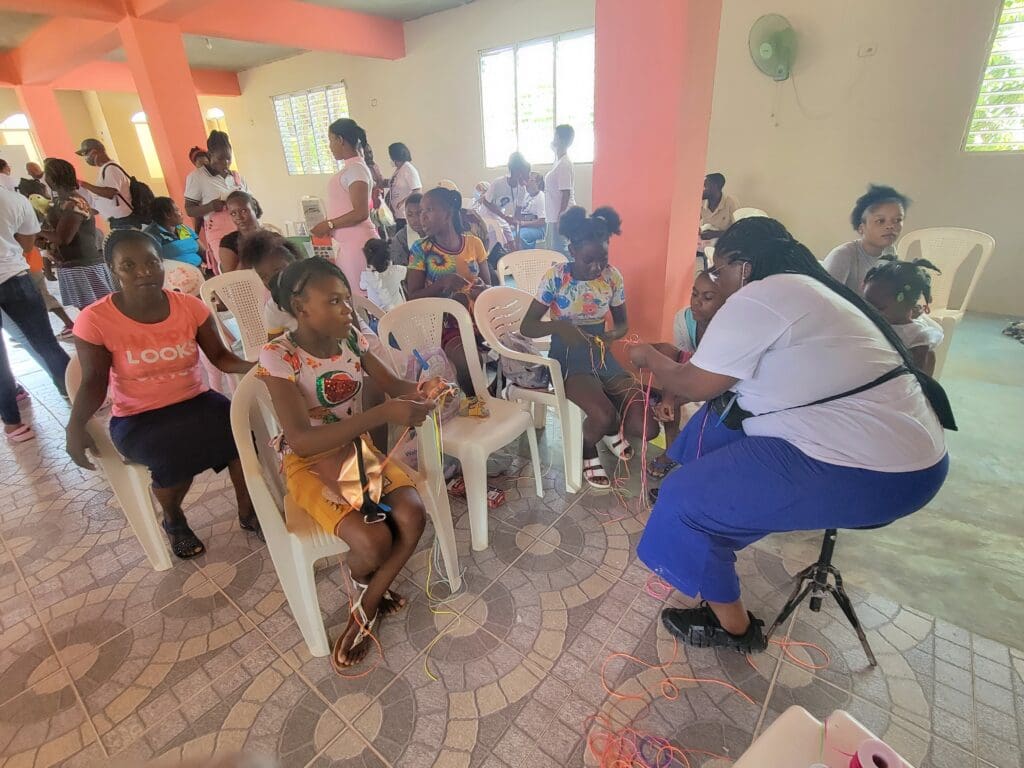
{"x":349,"y":241}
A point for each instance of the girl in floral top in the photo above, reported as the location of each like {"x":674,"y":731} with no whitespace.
{"x":448,"y":262}
{"x":315,"y":375}
{"x":579,"y":295}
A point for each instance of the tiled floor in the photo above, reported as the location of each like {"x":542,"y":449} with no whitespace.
{"x":553,"y":642}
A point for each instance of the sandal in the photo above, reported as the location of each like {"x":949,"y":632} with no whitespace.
{"x":594,"y":474}
{"x":20,"y":435}
{"x":619,"y":446}
{"x":699,"y":627}
{"x":365,"y":632}
{"x":184,"y":543}
{"x":252,"y":524}
{"x":390,"y":602}
{"x":660,"y":466}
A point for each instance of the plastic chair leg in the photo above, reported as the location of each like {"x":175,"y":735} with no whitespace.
{"x":131,"y":488}
{"x":299,"y":586}
{"x":440,"y":512}
{"x":474,"y":473}
{"x":531,"y":435}
{"x":572,"y":434}
{"x":540,"y":415}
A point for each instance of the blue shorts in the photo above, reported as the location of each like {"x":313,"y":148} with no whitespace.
{"x":736,"y":489}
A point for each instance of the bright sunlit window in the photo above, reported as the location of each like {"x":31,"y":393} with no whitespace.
{"x":997,"y":123}
{"x":529,"y":88}
{"x":302,"y":120}
{"x":15,"y":131}
{"x":146,"y":143}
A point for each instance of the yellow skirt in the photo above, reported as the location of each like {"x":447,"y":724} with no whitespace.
{"x":309,"y":492}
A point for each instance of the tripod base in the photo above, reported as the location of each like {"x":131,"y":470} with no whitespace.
{"x":816,"y":581}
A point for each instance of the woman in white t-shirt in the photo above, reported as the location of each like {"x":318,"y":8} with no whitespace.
{"x":381,"y":279}
{"x":404,"y":182}
{"x":531,"y":220}
{"x":348,"y":200}
{"x":840,"y":434}
{"x":559,"y":187}
{"x":206,"y":193}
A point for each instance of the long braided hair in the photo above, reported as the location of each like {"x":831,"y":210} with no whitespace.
{"x":770,"y":249}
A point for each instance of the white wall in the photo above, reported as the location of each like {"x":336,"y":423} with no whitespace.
{"x":430,"y":99}
{"x":897,"y":118}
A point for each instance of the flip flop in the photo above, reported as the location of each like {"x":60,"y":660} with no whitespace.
{"x":619,"y":446}
{"x":660,"y":466}
{"x":22,"y":434}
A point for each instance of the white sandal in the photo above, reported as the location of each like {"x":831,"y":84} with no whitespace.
{"x":388,"y":594}
{"x":366,"y":627}
{"x":619,"y":446}
{"x":594,"y":474}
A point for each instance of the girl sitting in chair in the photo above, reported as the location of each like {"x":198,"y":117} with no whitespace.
{"x":332,"y":470}
{"x":579,"y":294}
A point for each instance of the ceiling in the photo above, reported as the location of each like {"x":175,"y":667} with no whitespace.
{"x":15,"y":27}
{"x":232,"y":55}
{"x":403,"y":10}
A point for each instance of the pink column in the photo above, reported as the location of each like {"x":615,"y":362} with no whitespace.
{"x":40,"y":104}
{"x":156,"y":57}
{"x":655,"y":79}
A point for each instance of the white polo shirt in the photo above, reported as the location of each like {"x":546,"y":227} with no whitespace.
{"x":405,"y":180}
{"x":16,"y":218}
{"x":120,"y":205}
{"x":204,"y":187}
{"x":559,"y":179}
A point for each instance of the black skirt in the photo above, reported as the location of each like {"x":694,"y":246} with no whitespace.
{"x":179,"y":441}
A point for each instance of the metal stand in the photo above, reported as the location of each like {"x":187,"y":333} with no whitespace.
{"x":814,"y":581}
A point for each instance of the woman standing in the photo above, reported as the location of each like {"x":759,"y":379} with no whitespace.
{"x":832,"y":427}
{"x":559,"y":187}
{"x":404,"y":182}
{"x":348,"y":200}
{"x":144,"y":342}
{"x":206,"y":192}
{"x":71,"y":231}
{"x":245,"y":213}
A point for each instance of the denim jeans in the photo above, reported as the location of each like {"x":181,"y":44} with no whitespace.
{"x":21,"y":303}
{"x":530,"y":236}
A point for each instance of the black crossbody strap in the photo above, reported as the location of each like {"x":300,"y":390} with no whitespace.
{"x":887,"y":376}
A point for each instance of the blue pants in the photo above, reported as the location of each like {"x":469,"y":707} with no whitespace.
{"x":530,"y":235}
{"x":738,"y":489}
{"x":22,"y":303}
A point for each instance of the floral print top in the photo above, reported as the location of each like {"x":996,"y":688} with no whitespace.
{"x":581,"y":302}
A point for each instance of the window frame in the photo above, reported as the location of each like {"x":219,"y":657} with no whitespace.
{"x":977,"y":94}
{"x":280,"y":136}
{"x":555,"y":38}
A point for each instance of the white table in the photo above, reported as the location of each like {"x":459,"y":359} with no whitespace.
{"x":794,"y":741}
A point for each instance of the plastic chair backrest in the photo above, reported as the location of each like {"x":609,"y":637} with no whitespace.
{"x":528,"y":268}
{"x":182,"y":277}
{"x":244,"y":295}
{"x":254,"y":425}
{"x":948,"y":248}
{"x":747,"y":213}
{"x":948,"y":323}
{"x":417,"y":325}
{"x":366,"y":308}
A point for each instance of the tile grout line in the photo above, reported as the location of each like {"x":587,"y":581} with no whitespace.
{"x":53,"y":649}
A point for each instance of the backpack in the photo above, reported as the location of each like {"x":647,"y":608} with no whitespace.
{"x":142,"y":197}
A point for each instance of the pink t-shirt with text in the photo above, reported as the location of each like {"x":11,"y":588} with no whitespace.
{"x":154,"y":364}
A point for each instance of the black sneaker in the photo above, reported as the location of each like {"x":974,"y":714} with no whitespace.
{"x":699,"y":627}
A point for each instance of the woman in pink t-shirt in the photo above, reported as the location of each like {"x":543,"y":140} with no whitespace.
{"x":145,"y":341}
{"x":349,"y":201}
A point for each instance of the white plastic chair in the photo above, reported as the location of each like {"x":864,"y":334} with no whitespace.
{"x":416,"y":325}
{"x":130,"y":483}
{"x":295,"y":541}
{"x":366,"y":309}
{"x":244,"y":295}
{"x":528,"y":267}
{"x":948,"y":248}
{"x":182,"y":277}
{"x":948,"y":323}
{"x":747,"y":213}
{"x":499,"y":311}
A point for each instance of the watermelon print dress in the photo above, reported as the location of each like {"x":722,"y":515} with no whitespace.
{"x":332,"y":389}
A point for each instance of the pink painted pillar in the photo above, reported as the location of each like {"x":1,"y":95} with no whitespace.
{"x":39,"y":103}
{"x":156,"y":57}
{"x":655,"y":79}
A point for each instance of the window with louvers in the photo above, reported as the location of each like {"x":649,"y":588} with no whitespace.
{"x":997,"y":123}
{"x":302,"y":120}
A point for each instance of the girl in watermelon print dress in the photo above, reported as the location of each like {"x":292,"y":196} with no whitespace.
{"x":315,"y":376}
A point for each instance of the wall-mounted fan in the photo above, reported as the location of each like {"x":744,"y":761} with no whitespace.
{"x":773,"y":45}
